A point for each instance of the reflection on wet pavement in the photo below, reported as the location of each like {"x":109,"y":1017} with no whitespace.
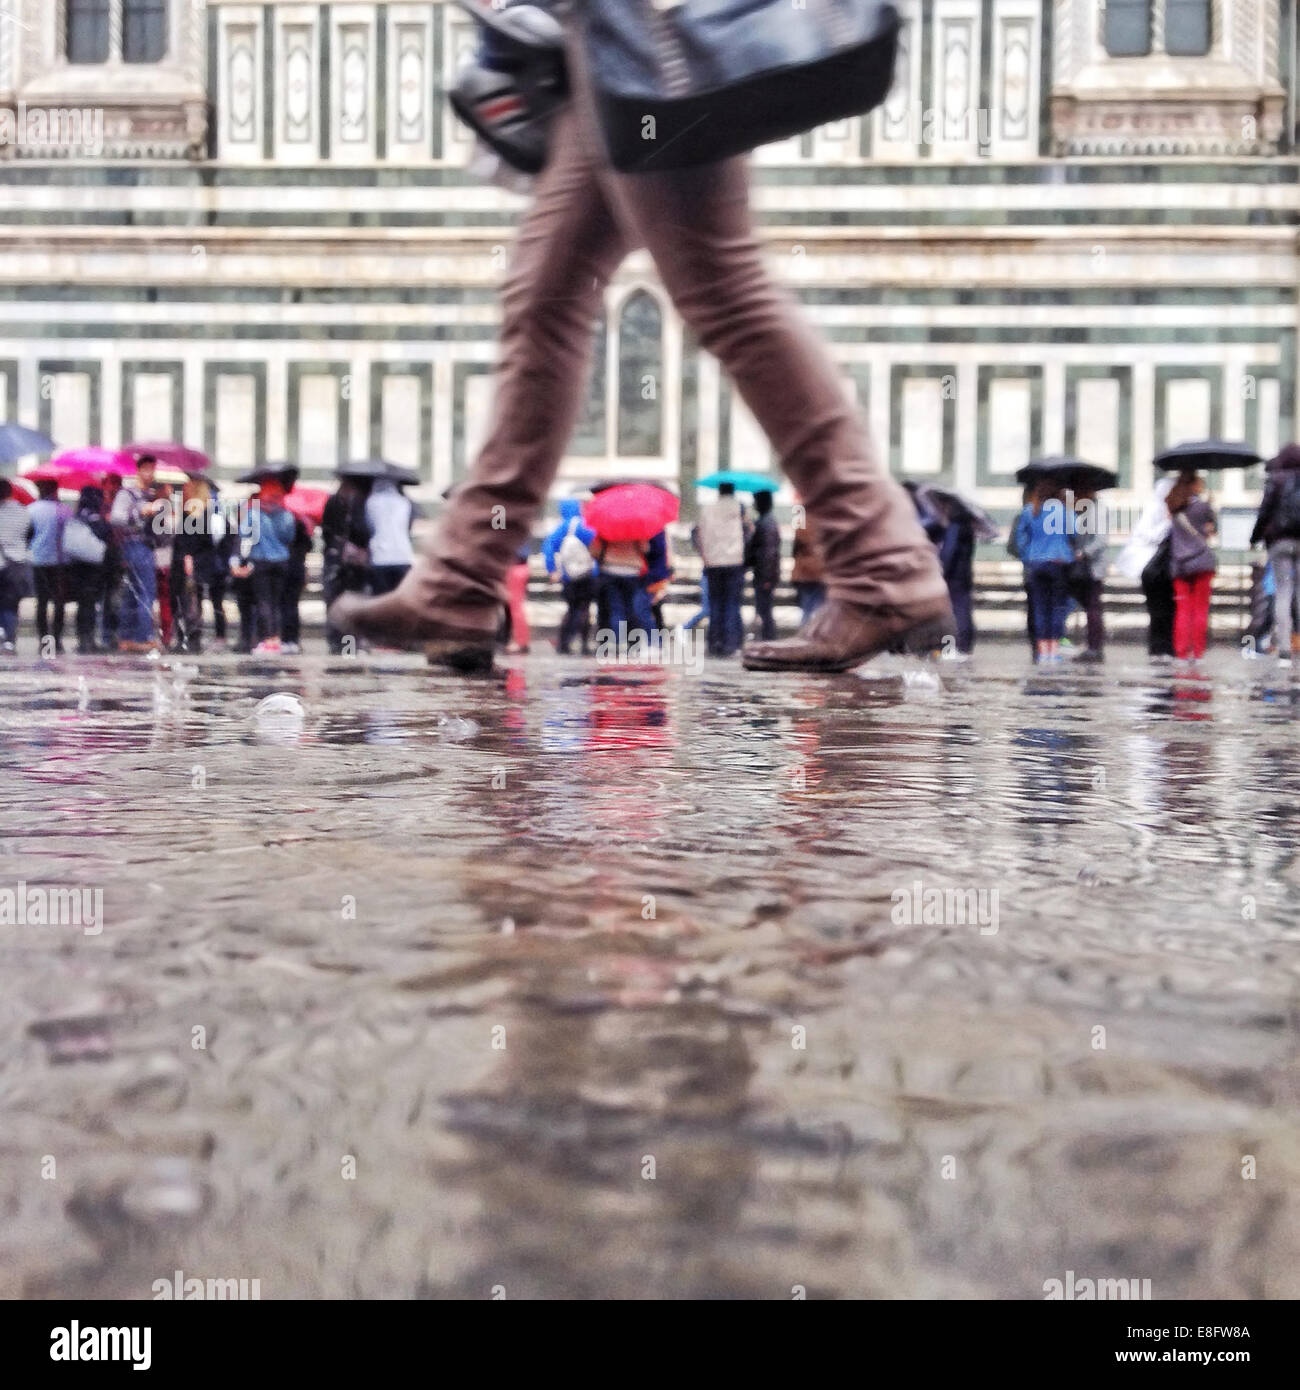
{"x":609,"y":983}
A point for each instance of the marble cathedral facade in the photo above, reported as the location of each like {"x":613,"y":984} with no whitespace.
{"x":250,"y":226}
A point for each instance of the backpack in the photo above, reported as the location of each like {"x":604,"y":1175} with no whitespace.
{"x":1286,"y":517}
{"x":576,"y":561}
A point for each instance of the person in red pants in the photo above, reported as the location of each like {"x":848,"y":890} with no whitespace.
{"x":1192,"y":564}
{"x":517,"y":594}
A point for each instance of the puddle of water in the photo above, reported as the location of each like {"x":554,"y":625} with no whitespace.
{"x":719,"y":1049}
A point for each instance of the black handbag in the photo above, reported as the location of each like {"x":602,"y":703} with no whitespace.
{"x":685,"y":82}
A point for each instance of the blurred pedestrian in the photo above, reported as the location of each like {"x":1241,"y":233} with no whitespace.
{"x":517,"y":595}
{"x":658,"y":576}
{"x":1043,"y":541}
{"x":1278,"y":526}
{"x":131,"y":518}
{"x":1013,"y":549}
{"x":1087,"y":574}
{"x":809,"y":573}
{"x":567,"y":554}
{"x":161,"y":537}
{"x":345,"y":539}
{"x":85,"y":545}
{"x":763,"y":559}
{"x":623,"y":597}
{"x":46,"y":518}
{"x":114,"y":569}
{"x":1145,"y":558}
{"x":269,"y":532}
{"x":197,"y":565}
{"x":388,"y":514}
{"x":721,"y":532}
{"x":15,"y":565}
{"x":1192,"y":563}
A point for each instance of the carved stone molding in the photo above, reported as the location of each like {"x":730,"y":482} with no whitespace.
{"x":1142,"y":125}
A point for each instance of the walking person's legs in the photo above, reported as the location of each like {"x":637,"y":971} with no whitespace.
{"x":517,"y":591}
{"x":1283,"y":555}
{"x":567,"y":249}
{"x":1202,"y":593}
{"x":963,"y":617}
{"x":268,"y":597}
{"x":763,"y":603}
{"x":1183,"y":619}
{"x":735,"y":622}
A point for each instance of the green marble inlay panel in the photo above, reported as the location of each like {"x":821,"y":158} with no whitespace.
{"x":379,"y":373}
{"x":461,"y":372}
{"x":269,"y":38}
{"x":324,"y":79}
{"x":381,"y":82}
{"x":9,"y":369}
{"x":1164,"y":377}
{"x":689,"y":454}
{"x":899,"y":374}
{"x":1057,"y":172}
{"x":1123,"y":377}
{"x":342,"y":374}
{"x":1255,"y":374}
{"x":89,"y":367}
{"x":212,"y":372}
{"x":986,"y":474}
{"x":1211,"y":373}
{"x":591,"y":434}
{"x":132,"y":370}
{"x":640,"y":371}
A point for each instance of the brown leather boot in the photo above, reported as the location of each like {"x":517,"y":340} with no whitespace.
{"x":840,"y":636}
{"x":406,"y":617}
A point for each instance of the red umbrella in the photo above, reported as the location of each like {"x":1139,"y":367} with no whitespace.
{"x":22,"y":494}
{"x":630,"y":511}
{"x":307,"y":503}
{"x":179,"y":456}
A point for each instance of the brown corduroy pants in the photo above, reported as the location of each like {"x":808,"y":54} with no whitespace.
{"x":696,"y":224}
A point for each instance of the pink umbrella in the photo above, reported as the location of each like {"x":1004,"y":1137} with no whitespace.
{"x":179,"y":456}
{"x":630,"y":511}
{"x":75,"y":468}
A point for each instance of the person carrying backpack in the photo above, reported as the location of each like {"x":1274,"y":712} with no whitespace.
{"x":1278,"y":526}
{"x":569,"y":560}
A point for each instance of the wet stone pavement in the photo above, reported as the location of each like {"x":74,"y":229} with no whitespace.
{"x":622,"y":982}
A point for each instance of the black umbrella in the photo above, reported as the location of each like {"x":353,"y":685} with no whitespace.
{"x":1207,"y":454}
{"x":1287,"y":457}
{"x":267,"y":470}
{"x":377,"y":468}
{"x":17,"y":441}
{"x":1068,"y":473}
{"x":951,"y":506}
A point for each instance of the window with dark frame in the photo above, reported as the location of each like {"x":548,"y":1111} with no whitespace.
{"x":144,"y":31}
{"x":1188,"y":28}
{"x":87,"y":30}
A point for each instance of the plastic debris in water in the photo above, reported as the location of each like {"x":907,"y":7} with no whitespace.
{"x":457,"y":730}
{"x":167,"y":1189}
{"x":280,"y":718}
{"x":75,"y":1036}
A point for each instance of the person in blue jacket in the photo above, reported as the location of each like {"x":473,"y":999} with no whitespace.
{"x":567,"y":553}
{"x":266,"y":537}
{"x":1043,"y":543}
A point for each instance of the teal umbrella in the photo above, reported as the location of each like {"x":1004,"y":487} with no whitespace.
{"x":742,"y":482}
